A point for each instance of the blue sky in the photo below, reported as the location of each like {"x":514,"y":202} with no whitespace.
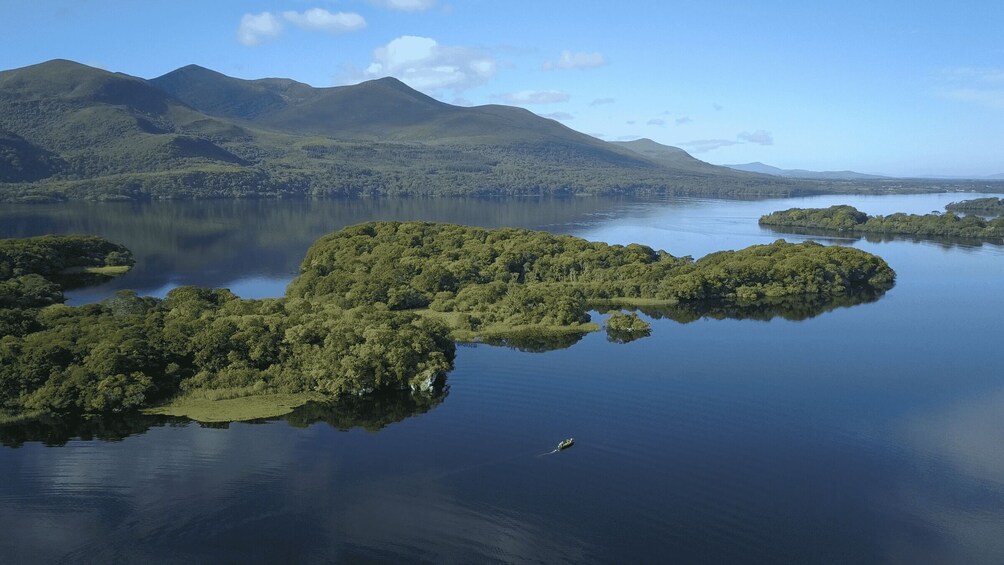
{"x":900,"y":88}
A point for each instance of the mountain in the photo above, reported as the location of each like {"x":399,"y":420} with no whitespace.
{"x":384,"y":110}
{"x":758,"y":167}
{"x":674,"y":157}
{"x":68,"y":130}
{"x":78,"y":122}
{"x":996,"y":177}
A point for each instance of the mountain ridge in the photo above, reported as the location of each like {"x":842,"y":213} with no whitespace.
{"x":762,"y":168}
{"x":74,"y":131}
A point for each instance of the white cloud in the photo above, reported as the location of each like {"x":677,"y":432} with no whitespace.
{"x":760,"y":137}
{"x":256,"y":28}
{"x":405,"y":5}
{"x":601,"y":101}
{"x":570,"y":60}
{"x":718,"y":107}
{"x":424,"y":64}
{"x":319,"y":19}
{"x":983,"y":97}
{"x":980,"y":86}
{"x":970,"y":74}
{"x":705,"y":145}
{"x":562,"y":116}
{"x":656,"y":122}
{"x":535,"y":97}
{"x":683,"y":120}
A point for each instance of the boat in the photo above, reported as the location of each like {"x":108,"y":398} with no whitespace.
{"x":565,"y":443}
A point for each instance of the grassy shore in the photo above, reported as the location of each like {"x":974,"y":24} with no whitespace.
{"x":460,"y":331}
{"x":204,"y":407}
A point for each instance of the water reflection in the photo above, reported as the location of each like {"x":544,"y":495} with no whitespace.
{"x":534,"y":341}
{"x":372,"y":413}
{"x":623,"y":336}
{"x":53,"y":431}
{"x":960,"y":445}
{"x":794,"y":308}
{"x":844,"y":238}
{"x":214,"y":243}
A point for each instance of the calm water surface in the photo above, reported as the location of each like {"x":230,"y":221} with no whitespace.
{"x":868,"y":434}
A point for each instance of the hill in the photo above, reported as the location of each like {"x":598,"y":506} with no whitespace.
{"x":72,"y":131}
{"x":758,"y":167}
{"x":676,"y":158}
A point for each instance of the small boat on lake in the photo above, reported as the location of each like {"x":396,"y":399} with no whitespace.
{"x":565,"y":443}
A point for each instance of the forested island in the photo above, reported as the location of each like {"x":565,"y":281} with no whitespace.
{"x":377,"y":307}
{"x":847,"y":219}
{"x":982,"y":206}
{"x":35,"y":270}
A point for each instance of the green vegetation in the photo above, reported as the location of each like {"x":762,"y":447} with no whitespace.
{"x":623,"y":327}
{"x":981,"y":206}
{"x":847,"y":219}
{"x":208,"y":345}
{"x":34,"y":271}
{"x":372,"y":310}
{"x":256,"y":407}
{"x":519,"y":277}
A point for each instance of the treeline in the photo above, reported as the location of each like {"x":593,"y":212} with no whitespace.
{"x":384,"y":171}
{"x":517,"y":277}
{"x":983,"y":206}
{"x":34,"y":270}
{"x":129,"y":352}
{"x":848,"y":219}
{"x":54,"y":254}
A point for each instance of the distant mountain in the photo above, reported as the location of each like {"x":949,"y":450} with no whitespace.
{"x":996,"y":177}
{"x":758,"y":167}
{"x":72,"y":131}
{"x":674,"y":157}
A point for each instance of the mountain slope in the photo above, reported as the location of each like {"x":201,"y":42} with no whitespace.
{"x":72,"y":131}
{"x":88,"y":122}
{"x":674,"y":157}
{"x":384,"y":110}
{"x":21,"y":161}
{"x":758,"y":167}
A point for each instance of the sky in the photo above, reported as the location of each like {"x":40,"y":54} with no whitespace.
{"x":904,"y":88}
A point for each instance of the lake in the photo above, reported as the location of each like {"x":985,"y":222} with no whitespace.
{"x":865,"y":434}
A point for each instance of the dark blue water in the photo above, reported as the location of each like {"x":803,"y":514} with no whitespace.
{"x":868,"y":434}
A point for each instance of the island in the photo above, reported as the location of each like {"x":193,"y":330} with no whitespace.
{"x":982,"y":206}
{"x":849,"y":220}
{"x":624,"y":327}
{"x":377,"y":307}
